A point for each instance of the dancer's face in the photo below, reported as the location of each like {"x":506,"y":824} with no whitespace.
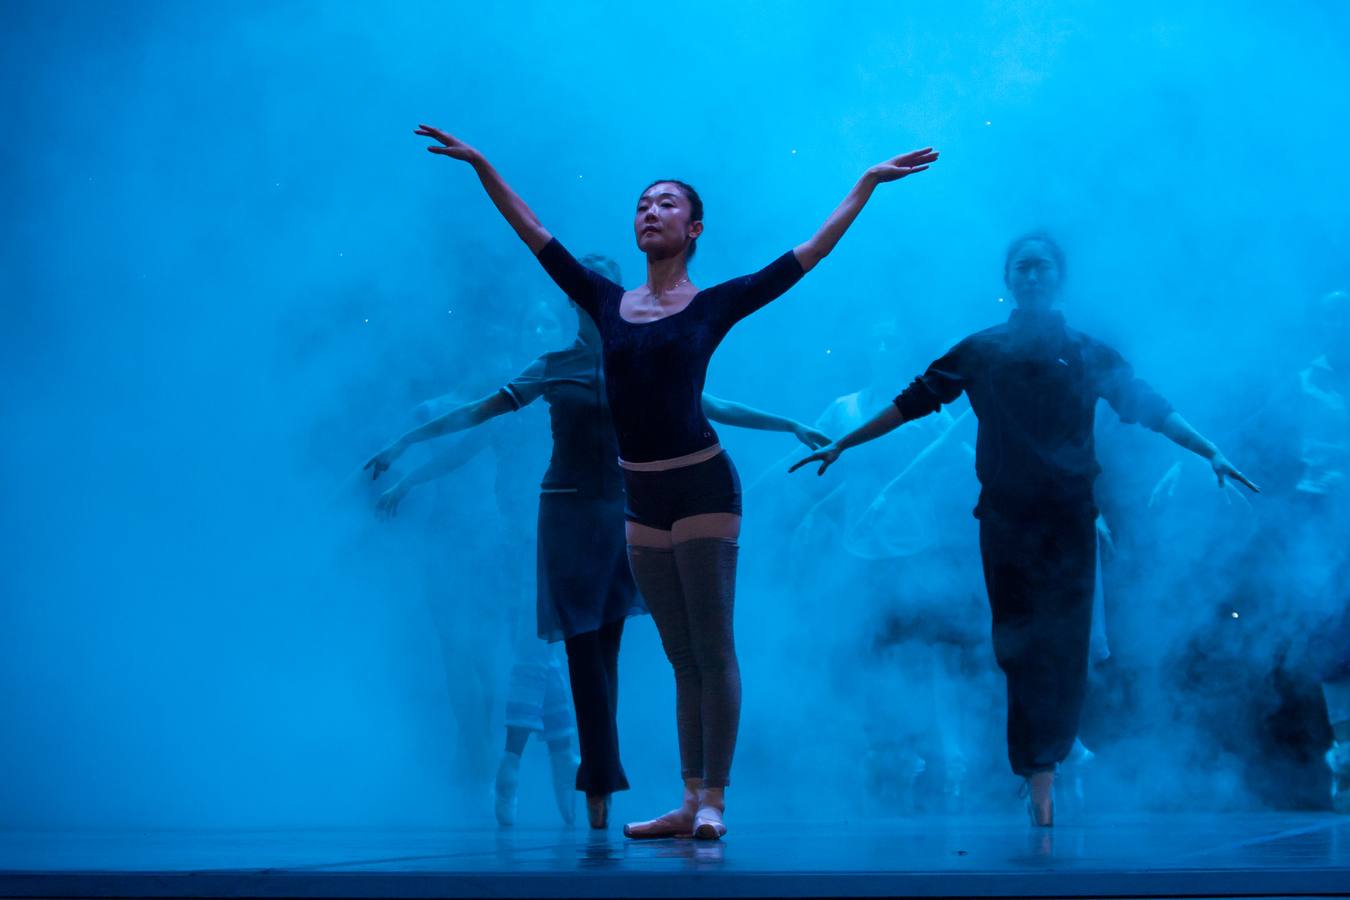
{"x":881,"y":354}
{"x":1033,"y":276}
{"x":663,"y":223}
{"x":544,"y":330}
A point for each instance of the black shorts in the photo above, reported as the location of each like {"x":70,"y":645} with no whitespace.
{"x":660,"y":499}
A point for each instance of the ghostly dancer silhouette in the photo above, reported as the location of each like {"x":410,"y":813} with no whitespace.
{"x":1033,"y":384}
{"x":906,"y":573}
{"x":585,"y":588}
{"x":1297,"y":588}
{"x":537,"y":699}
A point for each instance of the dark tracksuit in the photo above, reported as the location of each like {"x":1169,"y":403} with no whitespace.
{"x":1033,"y":384}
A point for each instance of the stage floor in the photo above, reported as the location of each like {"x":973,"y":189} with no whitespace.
{"x":1252,"y":855}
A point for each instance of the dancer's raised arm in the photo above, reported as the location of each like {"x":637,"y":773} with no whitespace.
{"x":824,"y":240}
{"x":507,"y":201}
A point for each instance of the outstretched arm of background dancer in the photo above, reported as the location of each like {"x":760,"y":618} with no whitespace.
{"x":1178,"y":430}
{"x":507,"y":201}
{"x":469,"y":415}
{"x":825,"y":239}
{"x":743,"y":416}
{"x":441,"y":465}
{"x":883,"y":422}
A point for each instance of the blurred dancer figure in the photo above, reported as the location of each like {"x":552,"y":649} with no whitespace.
{"x":585,"y":590}
{"x":537,"y":700}
{"x":1294,"y":589}
{"x":1034,"y":384}
{"x":1325,"y":481}
{"x":912,"y":619}
{"x":683,"y":493}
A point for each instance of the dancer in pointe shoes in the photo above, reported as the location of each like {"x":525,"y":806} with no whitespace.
{"x":585,"y":588}
{"x":683,"y":505}
{"x":1033,"y":384}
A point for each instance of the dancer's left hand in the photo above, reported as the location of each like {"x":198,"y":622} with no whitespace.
{"x":1224,"y":469}
{"x":809,"y":436}
{"x":898,"y":167}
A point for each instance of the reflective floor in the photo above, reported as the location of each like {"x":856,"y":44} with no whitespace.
{"x":1269,"y":854}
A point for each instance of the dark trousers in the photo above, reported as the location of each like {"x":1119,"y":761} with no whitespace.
{"x":1040,"y":569}
{"x":593,"y":663}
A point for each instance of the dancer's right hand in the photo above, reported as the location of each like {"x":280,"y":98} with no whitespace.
{"x":383,"y":460}
{"x":825,"y":457}
{"x":386,"y":507}
{"x":451,"y":146}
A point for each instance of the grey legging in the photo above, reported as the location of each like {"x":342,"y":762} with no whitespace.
{"x":691,"y":592}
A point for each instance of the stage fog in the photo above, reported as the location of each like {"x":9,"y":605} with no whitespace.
{"x":231,"y":273}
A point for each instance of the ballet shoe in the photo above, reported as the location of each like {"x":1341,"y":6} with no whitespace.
{"x":708,"y":825}
{"x":1076,"y":769}
{"x":597,"y":810}
{"x":505,"y":789}
{"x":1338,"y":761}
{"x":1040,"y":794}
{"x":563,"y":763}
{"x":676,"y":823}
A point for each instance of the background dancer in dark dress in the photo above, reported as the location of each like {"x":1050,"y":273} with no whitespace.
{"x":1034,"y":384}
{"x":585,"y":588}
{"x":683,"y":493}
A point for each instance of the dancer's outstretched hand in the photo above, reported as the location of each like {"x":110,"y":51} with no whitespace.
{"x":809,"y":436}
{"x":905,"y":164}
{"x":383,"y":460}
{"x":1166,"y":486}
{"x":825,"y":457}
{"x":1104,"y":536}
{"x":386,"y":507}
{"x":451,"y":146}
{"x":1224,"y":469}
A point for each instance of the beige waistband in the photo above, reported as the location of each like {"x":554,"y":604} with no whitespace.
{"x":679,"y":462}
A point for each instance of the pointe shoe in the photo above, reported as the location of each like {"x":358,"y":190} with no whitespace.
{"x":708,"y":825}
{"x":954,"y":785}
{"x":1040,"y":789}
{"x":564,"y":763}
{"x":504,"y":789}
{"x":597,"y":810}
{"x":1076,"y":769}
{"x":676,"y":823}
{"x":1338,"y":761}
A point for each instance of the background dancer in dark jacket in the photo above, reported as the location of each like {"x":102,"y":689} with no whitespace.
{"x":1034,"y":383}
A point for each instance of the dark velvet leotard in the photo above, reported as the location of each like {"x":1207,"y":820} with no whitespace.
{"x":654,"y":371}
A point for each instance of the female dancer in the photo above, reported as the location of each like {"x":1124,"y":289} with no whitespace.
{"x":683,"y":495}
{"x":585,"y":589}
{"x":1033,"y":384}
